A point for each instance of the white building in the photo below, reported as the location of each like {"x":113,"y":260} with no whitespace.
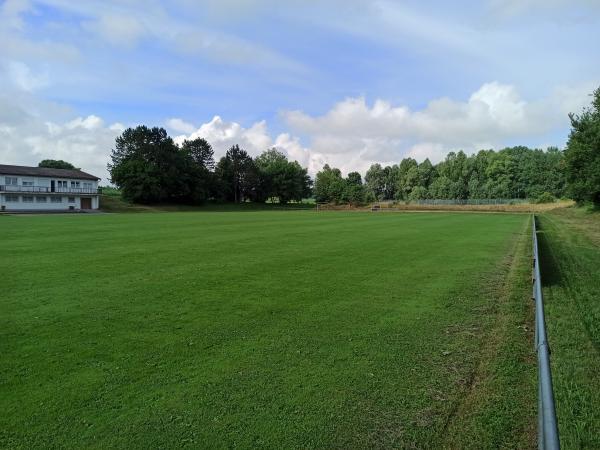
{"x":44,"y":189}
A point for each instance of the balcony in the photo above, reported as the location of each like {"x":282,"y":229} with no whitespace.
{"x":48,"y":190}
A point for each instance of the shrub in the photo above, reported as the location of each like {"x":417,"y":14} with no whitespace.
{"x":545,"y":197}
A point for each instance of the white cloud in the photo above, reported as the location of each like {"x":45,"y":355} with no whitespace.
{"x":117,"y":126}
{"x":180,"y":126}
{"x":572,"y":99}
{"x":493,"y":112}
{"x":353,"y":134}
{"x":88,"y":123}
{"x":84,"y":142}
{"x":22,"y":76}
{"x":254,"y":139}
{"x":427,"y":150}
{"x":27,"y":136}
{"x":222,"y":135}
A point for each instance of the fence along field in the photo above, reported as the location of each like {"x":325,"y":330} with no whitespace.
{"x":267,"y":329}
{"x":547,"y":423}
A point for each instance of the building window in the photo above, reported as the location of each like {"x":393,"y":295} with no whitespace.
{"x":74,"y":184}
{"x":11,"y":198}
{"x":27,"y":183}
{"x":71,"y":199}
{"x":27,"y":199}
{"x":41,"y":199}
{"x":10,"y":181}
{"x":56,"y":199}
{"x":87,"y":185}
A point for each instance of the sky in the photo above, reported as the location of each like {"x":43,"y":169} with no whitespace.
{"x":343,"y":82}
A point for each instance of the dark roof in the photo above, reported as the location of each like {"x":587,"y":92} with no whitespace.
{"x":45,"y":172}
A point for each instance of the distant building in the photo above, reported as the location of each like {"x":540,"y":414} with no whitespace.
{"x":44,"y":189}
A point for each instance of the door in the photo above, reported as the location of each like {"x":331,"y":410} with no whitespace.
{"x":86,"y":203}
{"x":52,"y":186}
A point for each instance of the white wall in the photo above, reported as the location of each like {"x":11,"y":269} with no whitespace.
{"x":48,"y":205}
{"x":37,"y":206}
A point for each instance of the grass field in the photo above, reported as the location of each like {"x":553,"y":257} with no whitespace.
{"x":570,"y":248}
{"x":266,"y":329}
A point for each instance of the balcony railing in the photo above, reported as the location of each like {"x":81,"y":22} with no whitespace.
{"x":49,"y":190}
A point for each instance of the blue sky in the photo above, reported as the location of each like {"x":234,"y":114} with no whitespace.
{"x":344,"y":82}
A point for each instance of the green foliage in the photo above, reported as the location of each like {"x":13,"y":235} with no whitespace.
{"x":382,"y":182}
{"x":56,"y":164}
{"x":545,"y":197}
{"x":329,"y":185}
{"x":198,"y":155}
{"x":238,"y":177}
{"x":200,"y":151}
{"x":355,"y":191}
{"x":516,"y":172}
{"x":148,"y":167}
{"x":282,"y":179}
{"x":375,"y":181}
{"x":110,"y":191}
{"x":582,"y":156}
{"x":418,"y":193}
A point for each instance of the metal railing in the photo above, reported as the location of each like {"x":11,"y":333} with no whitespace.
{"x":547,"y":425}
{"x":49,"y":190}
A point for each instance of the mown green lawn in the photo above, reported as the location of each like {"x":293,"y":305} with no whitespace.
{"x":570,"y":255}
{"x":266,"y":330}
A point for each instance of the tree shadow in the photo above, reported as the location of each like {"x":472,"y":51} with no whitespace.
{"x":550,"y":270}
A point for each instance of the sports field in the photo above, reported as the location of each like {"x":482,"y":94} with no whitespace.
{"x":266,"y":330}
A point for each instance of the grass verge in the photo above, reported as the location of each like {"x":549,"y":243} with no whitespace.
{"x":570,"y":256}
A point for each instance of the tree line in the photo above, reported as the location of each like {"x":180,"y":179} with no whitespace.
{"x":149,"y":167}
{"x":516,"y":172}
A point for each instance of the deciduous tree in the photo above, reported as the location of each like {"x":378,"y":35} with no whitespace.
{"x":282,"y":179}
{"x":582,"y":156}
{"x":56,"y":164}
{"x":148,"y":167}
{"x":238,"y":176}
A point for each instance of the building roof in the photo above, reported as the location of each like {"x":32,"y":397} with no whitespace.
{"x":45,"y":172}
